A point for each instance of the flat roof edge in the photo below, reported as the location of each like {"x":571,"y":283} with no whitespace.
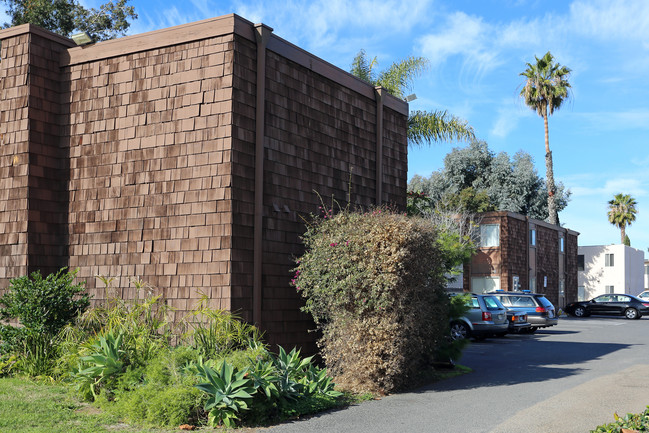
{"x":30,"y":28}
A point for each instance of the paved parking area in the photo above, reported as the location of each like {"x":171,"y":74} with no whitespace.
{"x":569,"y":378}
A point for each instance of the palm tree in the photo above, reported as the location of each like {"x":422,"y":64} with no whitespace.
{"x":546,"y":87}
{"x":424,"y":127}
{"x":622,"y":210}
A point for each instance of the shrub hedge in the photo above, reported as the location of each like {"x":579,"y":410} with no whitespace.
{"x":374,"y":284}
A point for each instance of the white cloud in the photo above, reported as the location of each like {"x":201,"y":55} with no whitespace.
{"x":322,"y":22}
{"x":507,"y":120}
{"x":616,"y":121}
{"x":462,"y":35}
{"x":621,"y":19}
{"x":593,"y":185}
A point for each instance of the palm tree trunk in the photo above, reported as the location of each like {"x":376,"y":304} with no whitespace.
{"x":553,"y":216}
{"x":623,"y":233}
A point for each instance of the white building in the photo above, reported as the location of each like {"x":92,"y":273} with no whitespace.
{"x":609,"y":269}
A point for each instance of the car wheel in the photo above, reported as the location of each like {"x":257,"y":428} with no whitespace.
{"x":580,"y":312}
{"x":631,"y":313}
{"x":459,"y":331}
{"x":532,"y":330}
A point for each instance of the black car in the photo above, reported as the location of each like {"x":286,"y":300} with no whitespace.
{"x":629,"y":306}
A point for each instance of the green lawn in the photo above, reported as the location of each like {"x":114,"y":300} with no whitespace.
{"x":30,"y":407}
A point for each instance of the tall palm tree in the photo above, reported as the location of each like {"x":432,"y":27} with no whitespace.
{"x":622,"y":210}
{"x":424,"y":127}
{"x":546,"y":87}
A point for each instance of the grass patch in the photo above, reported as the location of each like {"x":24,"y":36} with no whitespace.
{"x":33,"y":407}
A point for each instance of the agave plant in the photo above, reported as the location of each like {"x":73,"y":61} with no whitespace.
{"x":290,"y":370}
{"x":105,"y":363}
{"x":316,"y":381}
{"x":229,"y":392}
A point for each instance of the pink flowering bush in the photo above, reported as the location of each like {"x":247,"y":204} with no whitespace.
{"x":374,"y":284}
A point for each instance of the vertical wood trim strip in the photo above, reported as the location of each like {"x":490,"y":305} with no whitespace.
{"x":379,"y":144}
{"x":262,"y":35}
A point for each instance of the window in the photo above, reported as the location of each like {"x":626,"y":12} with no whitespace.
{"x":581,"y":293}
{"x":609,"y":289}
{"x":490,"y":235}
{"x":491,"y":302}
{"x":533,"y":237}
{"x":609,"y":260}
{"x":533,"y":284}
{"x":580,"y":262}
{"x":646,"y":269}
{"x":562,"y":245}
{"x":484,"y":284}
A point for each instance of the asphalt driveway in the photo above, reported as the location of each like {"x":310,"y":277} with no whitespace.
{"x":569,"y":378}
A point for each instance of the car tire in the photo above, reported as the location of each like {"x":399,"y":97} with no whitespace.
{"x":631,"y":313}
{"x":459,"y":330}
{"x":580,"y":312}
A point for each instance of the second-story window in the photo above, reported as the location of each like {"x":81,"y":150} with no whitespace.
{"x":533,"y":237}
{"x":609,"y":260}
{"x":490,"y":235}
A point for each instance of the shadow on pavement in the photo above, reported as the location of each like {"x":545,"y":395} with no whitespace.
{"x":498,"y":364}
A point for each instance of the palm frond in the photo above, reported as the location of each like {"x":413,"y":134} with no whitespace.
{"x":425,"y":127}
{"x":363,"y":68}
{"x":398,"y":78}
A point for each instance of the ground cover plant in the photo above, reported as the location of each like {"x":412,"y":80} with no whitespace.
{"x":630,"y":423}
{"x":374,"y":285}
{"x":129,"y":360}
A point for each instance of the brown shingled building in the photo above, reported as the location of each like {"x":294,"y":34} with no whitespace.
{"x":185,"y":157}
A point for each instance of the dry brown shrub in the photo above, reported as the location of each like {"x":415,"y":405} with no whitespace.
{"x":374,"y":285}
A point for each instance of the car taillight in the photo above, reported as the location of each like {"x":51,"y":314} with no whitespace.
{"x":645,"y":304}
{"x":486,"y":316}
{"x":540,"y":309}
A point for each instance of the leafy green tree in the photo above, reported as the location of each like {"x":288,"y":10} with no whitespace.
{"x":424,"y":127}
{"x":68,"y":16}
{"x":474,"y":180}
{"x":546,"y":88}
{"x":622,"y":210}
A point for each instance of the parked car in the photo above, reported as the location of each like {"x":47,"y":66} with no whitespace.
{"x":540,"y":311}
{"x":517,"y":321}
{"x":628,"y":306}
{"x":486,"y":317}
{"x":644,"y":295}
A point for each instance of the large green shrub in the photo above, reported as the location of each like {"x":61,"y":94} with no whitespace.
{"x":42,"y":307}
{"x":374,"y":284}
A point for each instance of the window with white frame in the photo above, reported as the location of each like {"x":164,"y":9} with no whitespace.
{"x":581,"y":293}
{"x":484,"y":284}
{"x":609,"y":260}
{"x":490,"y":235}
{"x":533,"y":237}
{"x":609,"y":289}
{"x":533,"y":284}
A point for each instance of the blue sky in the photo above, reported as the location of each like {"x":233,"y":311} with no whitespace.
{"x":477,"y":49}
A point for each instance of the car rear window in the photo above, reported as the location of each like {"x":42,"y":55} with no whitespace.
{"x":544,"y":301}
{"x":522,"y":301}
{"x":492,"y":303}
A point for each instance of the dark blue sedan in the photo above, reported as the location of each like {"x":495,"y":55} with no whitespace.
{"x":629,"y":306}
